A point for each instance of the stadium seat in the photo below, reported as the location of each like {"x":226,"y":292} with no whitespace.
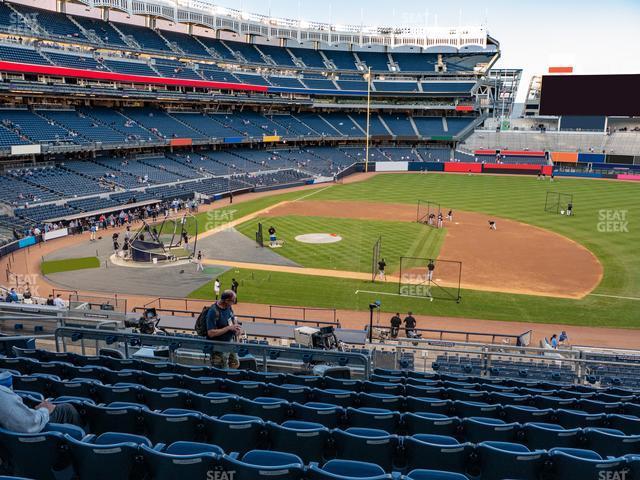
{"x":290,"y":393}
{"x":629,"y":424}
{"x":583,"y":464}
{"x":346,"y":470}
{"x":164,"y":398}
{"x":549,"y":435}
{"x":310,"y":441}
{"x":500,"y":460}
{"x":433,"y":456}
{"x":578,"y":419}
{"x":326,"y":414}
{"x":214,"y":404}
{"x":382,"y":400}
{"x":266,"y":408}
{"x":169,"y":427}
{"x":106,"y":457}
{"x":434,"y":475}
{"x":525,"y":414}
{"x":19,"y":451}
{"x":379,"y":418}
{"x":234,"y":433}
{"x":611,"y":443}
{"x":480,"y":429}
{"x":182,"y":460}
{"x":366,"y":445}
{"x":432,"y":405}
{"x":335,"y":396}
{"x":259,"y":464}
{"x":102,"y":419}
{"x":465,"y":409}
{"x":433,"y":423}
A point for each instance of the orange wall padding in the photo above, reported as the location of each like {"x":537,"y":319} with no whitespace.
{"x":180,"y":142}
{"x":463,"y":167}
{"x":565,"y":157}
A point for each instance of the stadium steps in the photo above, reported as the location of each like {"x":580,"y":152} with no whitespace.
{"x":364,"y":132}
{"x":192,"y":127}
{"x":384,"y":124}
{"x":306,"y":125}
{"x":211,"y":51}
{"x":339,"y":134}
{"x":172,"y":45}
{"x":91,"y":36}
{"x":29,"y":21}
{"x":330,"y":65}
{"x":413,"y":125}
{"x":129,"y":40}
{"x":445,"y":125}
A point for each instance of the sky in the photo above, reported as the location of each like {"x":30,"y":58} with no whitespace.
{"x":592,"y":36}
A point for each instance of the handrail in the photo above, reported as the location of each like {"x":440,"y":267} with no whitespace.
{"x":251,"y":318}
{"x":267,"y":352}
{"x":467,"y":334}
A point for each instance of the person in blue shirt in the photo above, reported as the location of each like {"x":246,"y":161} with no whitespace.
{"x":554,"y":340}
{"x":12,"y":296}
{"x":222,"y":327}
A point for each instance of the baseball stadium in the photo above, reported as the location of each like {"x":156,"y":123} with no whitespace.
{"x":238,"y":245}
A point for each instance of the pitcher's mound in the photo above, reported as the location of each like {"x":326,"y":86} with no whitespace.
{"x":318,"y":238}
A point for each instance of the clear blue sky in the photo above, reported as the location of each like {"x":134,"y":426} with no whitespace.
{"x":595,"y":36}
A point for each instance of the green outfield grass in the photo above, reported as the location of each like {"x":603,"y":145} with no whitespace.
{"x":354,"y":251}
{"x":69,"y":264}
{"x":515,"y":197}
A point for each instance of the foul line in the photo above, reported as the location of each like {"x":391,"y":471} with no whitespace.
{"x":317,"y":190}
{"x":614,"y":296}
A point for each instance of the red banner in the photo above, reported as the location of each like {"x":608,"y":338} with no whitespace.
{"x":121,"y":77}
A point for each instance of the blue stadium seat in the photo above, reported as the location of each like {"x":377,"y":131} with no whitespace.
{"x":611,"y":443}
{"x":583,"y":464}
{"x":579,"y":419}
{"x":629,"y":424}
{"x":480,"y":429}
{"x":182,"y":460}
{"x":291,"y":393}
{"x":214,"y":404}
{"x":432,"y":423}
{"x":335,"y":396}
{"x":169,"y":428}
{"x":379,"y":418}
{"x":307,"y":440}
{"x":382,"y":400}
{"x":433,"y":456}
{"x":234,"y":433}
{"x":102,"y":419}
{"x":500,"y":460}
{"x":525,"y":414}
{"x":434,"y":475}
{"x":465,"y":409}
{"x":267,"y":408}
{"x":259,"y":464}
{"x":432,"y":405}
{"x":19,"y":451}
{"x":327,"y":414}
{"x":367,"y":445}
{"x":346,"y":470}
{"x":106,"y":457}
{"x":549,"y":435}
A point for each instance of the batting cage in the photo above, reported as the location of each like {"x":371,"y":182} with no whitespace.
{"x":430,"y":278}
{"x":428,"y":213}
{"x":259,"y":236}
{"x":559,"y":203}
{"x":375,"y":258}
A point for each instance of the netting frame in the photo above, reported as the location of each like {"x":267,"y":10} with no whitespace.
{"x":554,"y":201}
{"x":424,"y":208}
{"x":430,"y":288}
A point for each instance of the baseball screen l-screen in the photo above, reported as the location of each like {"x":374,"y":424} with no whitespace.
{"x":590,"y":95}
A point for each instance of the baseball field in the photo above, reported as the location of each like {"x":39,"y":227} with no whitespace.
{"x":536,"y":267}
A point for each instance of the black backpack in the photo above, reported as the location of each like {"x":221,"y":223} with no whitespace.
{"x":201,"y":323}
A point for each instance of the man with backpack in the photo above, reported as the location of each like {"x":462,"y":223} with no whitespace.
{"x":218,"y":323}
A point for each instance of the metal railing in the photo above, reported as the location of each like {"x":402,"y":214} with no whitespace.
{"x":440,"y":335}
{"x":359,"y":362}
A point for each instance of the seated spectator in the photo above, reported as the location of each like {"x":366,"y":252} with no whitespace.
{"x":12,"y":296}
{"x":17,"y":417}
{"x":59,"y":302}
{"x":50,"y":300}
